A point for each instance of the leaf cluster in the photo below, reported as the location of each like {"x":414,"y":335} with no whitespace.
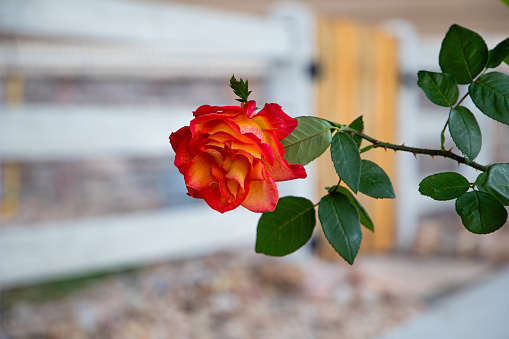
{"x":465,"y":60}
{"x":340,"y":213}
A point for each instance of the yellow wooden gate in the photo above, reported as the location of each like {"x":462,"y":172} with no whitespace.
{"x":360,"y":77}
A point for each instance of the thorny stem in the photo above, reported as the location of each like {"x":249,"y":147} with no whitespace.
{"x":415,"y":150}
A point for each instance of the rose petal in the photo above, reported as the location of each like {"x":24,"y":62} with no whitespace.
{"x":183,"y":157}
{"x":215,"y":199}
{"x":281,"y":170}
{"x":214,"y":195}
{"x":250,"y":107}
{"x":238,"y":170}
{"x":207,"y":109}
{"x":199,"y":174}
{"x":177,"y":137}
{"x":272,"y":118}
{"x":257,"y":171}
{"x":262,"y":196}
{"x":247,"y":126}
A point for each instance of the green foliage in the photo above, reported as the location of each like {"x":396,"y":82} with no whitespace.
{"x":465,"y":132}
{"x":440,"y":88}
{"x":240,"y":88}
{"x":490,"y":93}
{"x":496,"y":182}
{"x":365,"y":219}
{"x":358,"y":125}
{"x":341,"y":224}
{"x":464,"y":60}
{"x":374,"y":182}
{"x":498,"y":54}
{"x":480,"y":212}
{"x":308,"y":141}
{"x":463,"y":54}
{"x":347,"y":159}
{"x":444,"y":186}
{"x":287,"y":228}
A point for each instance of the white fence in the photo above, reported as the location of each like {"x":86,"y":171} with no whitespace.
{"x":420,"y":126}
{"x":166,"y":40}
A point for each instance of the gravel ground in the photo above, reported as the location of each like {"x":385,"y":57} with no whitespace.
{"x":223,"y":296}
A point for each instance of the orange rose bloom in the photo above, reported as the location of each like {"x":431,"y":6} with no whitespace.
{"x":233,"y":156}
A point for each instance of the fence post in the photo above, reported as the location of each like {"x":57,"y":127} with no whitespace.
{"x":290,"y":80}
{"x":407,"y":167}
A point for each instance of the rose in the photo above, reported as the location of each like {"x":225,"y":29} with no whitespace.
{"x":233,"y":156}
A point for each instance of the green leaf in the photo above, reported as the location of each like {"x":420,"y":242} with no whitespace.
{"x":463,"y":54}
{"x":490,"y":93}
{"x":444,"y":186}
{"x":287,"y":228}
{"x":440,"y":88}
{"x":240,"y":88}
{"x":480,"y":212}
{"x":506,"y":60}
{"x":465,"y":132}
{"x":308,"y":141}
{"x":498,"y":54}
{"x":341,"y":225}
{"x":365,"y":219}
{"x":358,"y":125}
{"x":347,"y":159}
{"x":375,"y":182}
{"x":496,"y":182}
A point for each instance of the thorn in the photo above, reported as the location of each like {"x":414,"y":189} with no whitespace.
{"x":385,"y":148}
{"x":415,"y":155}
{"x":432,"y":156}
{"x":450,"y":150}
{"x":403,"y":145}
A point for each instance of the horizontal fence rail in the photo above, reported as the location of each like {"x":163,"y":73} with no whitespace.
{"x":140,"y":39}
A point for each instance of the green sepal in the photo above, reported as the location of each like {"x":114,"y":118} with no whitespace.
{"x":240,"y":88}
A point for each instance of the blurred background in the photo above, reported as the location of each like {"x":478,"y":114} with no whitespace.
{"x":98,"y":238}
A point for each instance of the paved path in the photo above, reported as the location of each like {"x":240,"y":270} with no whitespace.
{"x":480,"y":312}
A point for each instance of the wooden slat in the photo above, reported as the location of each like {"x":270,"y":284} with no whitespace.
{"x":361,"y":78}
{"x":187,"y":30}
{"x":53,"y":132}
